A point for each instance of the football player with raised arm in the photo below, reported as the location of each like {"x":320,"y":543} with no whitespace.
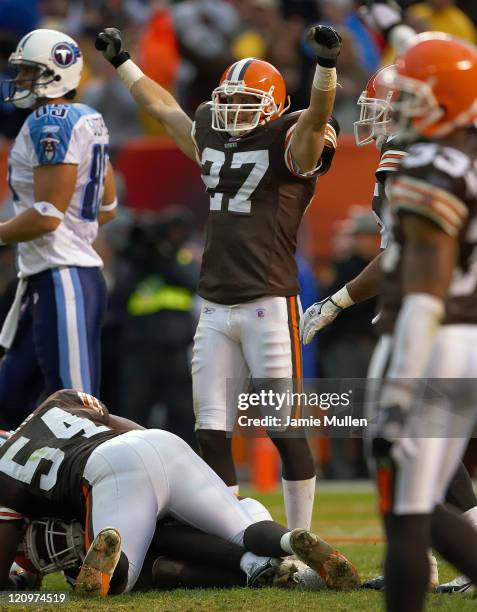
{"x":375,"y":125}
{"x":259,"y":165}
{"x":72,"y":460}
{"x":63,"y":187}
{"x":428,"y":301}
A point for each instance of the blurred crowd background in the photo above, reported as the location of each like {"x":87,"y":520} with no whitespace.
{"x":152,"y":257}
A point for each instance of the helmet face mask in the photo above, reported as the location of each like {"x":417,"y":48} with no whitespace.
{"x":238,"y":118}
{"x":58,"y":61}
{"x":53,"y":545}
{"x":22,"y":91}
{"x":374,"y":119}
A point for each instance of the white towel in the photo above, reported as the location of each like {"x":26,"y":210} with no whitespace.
{"x":9,"y":329}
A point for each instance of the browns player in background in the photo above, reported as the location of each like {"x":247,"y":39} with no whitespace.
{"x":375,"y":125}
{"x":259,"y":165}
{"x":428,"y":301}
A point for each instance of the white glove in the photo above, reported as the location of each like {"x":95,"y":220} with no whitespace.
{"x":316,"y":317}
{"x":321,"y":314}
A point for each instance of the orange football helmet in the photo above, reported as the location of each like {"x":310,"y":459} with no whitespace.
{"x":375,"y":112}
{"x":436,"y":84}
{"x":262,"y":83}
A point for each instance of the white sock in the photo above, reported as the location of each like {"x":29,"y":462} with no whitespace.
{"x":433,"y":570}
{"x":233,"y":489}
{"x":285,"y":543}
{"x":471,"y":516}
{"x":299,"y":496}
{"x":249,"y":562}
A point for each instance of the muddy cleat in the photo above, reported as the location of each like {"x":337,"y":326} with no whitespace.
{"x":461,"y":584}
{"x":338,"y":573}
{"x":99,"y":564}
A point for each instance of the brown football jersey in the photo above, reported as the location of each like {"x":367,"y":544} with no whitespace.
{"x":437,"y":180}
{"x":257,"y":201}
{"x":391,"y":158}
{"x":42,"y":463}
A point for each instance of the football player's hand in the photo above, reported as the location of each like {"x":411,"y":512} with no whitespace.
{"x":316,"y":317}
{"x":110,"y":43}
{"x":380,"y":15}
{"x":325,"y":42}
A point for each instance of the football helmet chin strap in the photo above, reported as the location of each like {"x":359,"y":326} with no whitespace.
{"x":54,"y":545}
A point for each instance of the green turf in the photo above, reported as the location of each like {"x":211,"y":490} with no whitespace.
{"x":346,"y":518}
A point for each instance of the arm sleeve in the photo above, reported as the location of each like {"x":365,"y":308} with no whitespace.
{"x":55,"y":139}
{"x":324,"y":163}
{"x":7,"y":514}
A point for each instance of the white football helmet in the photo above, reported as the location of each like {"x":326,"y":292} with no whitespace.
{"x":59,"y":61}
{"x":53,"y":545}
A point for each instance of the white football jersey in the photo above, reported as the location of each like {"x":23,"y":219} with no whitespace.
{"x":61,"y":134}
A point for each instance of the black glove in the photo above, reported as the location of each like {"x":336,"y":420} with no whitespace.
{"x":110,"y":44}
{"x":381,"y":15}
{"x":325,"y":42}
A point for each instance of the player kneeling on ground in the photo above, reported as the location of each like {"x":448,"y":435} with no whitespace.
{"x":71,"y":459}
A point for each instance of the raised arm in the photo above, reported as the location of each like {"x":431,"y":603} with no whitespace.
{"x":149,"y":95}
{"x":308,"y":137}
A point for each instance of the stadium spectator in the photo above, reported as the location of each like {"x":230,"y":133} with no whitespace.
{"x":442,"y":16}
{"x":341,"y":14}
{"x":205,"y":30}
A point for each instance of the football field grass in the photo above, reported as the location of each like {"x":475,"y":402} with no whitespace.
{"x":343,"y":515}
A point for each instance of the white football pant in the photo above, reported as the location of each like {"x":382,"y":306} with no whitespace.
{"x":426,"y":465}
{"x":258,"y":339}
{"x":138,"y":477}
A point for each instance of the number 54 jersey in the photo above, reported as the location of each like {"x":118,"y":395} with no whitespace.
{"x":257,"y":200}
{"x":61,"y":134}
{"x":42,"y":463}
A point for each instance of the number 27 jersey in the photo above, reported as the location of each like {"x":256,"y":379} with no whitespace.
{"x":257,"y":200}
{"x":61,"y":134}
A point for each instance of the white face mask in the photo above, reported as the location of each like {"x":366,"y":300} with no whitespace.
{"x":25,"y":101}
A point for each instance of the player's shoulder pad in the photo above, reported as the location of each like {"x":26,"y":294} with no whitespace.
{"x":203,"y":113}
{"x":51,"y":127}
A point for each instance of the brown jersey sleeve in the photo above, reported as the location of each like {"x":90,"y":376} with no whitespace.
{"x":428,"y":185}
{"x":324,"y":163}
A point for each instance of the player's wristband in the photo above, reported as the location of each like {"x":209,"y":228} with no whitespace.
{"x":342,"y":298}
{"x":48,"y":209}
{"x":109,"y":207}
{"x":129,"y":73}
{"x":325,"y":78}
{"x":120,"y":59}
